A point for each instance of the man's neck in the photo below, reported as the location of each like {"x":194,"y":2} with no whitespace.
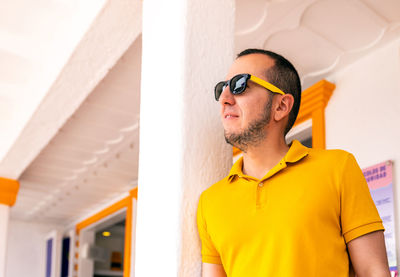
{"x":260,"y":159}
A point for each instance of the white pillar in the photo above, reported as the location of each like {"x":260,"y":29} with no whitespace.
{"x":187,"y":47}
{"x":4,"y":217}
{"x":8,"y":195}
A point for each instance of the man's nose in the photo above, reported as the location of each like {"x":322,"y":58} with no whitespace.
{"x":226,"y":97}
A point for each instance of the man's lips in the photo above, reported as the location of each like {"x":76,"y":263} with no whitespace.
{"x":230,"y":116}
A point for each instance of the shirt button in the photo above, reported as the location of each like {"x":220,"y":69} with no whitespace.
{"x":260,"y":184}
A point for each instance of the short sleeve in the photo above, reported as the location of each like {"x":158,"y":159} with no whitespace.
{"x":359,"y":215}
{"x":208,"y":252}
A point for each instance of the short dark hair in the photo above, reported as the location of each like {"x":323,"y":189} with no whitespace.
{"x":284,"y":76}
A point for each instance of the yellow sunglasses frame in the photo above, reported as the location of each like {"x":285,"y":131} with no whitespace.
{"x":266,"y":85}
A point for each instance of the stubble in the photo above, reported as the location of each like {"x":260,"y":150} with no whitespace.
{"x":255,"y":133}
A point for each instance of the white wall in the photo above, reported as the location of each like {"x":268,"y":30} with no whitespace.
{"x":26,"y":249}
{"x":363,"y":114}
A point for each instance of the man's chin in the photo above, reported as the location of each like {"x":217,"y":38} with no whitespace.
{"x":233,"y":133}
{"x":231,"y":137}
{"x":234,"y":140}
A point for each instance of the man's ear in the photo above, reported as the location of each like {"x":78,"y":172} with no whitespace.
{"x":283,"y":107}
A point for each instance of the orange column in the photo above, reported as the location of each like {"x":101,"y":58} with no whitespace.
{"x":128,"y":234}
{"x":318,"y":128}
{"x":313,"y":102}
{"x":8,"y":191}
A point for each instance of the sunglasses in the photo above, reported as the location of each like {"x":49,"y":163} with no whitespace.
{"x":238,"y":85}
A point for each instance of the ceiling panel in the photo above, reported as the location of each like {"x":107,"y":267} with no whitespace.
{"x":318,"y":36}
{"x":341,"y":27}
{"x":388,"y":9}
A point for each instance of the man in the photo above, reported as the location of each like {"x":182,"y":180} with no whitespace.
{"x":283,"y":210}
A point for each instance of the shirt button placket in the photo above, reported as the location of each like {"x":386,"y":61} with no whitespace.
{"x":259,"y":187}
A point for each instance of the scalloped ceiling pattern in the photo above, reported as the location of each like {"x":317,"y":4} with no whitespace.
{"x":340,"y":27}
{"x":316,"y":52}
{"x":318,"y":36}
{"x":247,"y":24}
{"x":388,"y":9}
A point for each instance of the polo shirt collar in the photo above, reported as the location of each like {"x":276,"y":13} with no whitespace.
{"x":296,"y":152}
{"x":236,"y":169}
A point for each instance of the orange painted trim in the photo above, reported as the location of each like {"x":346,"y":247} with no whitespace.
{"x":134,"y":193}
{"x":318,"y":128}
{"x":128,"y":239}
{"x":313,"y":103}
{"x":124,"y":203}
{"x":102,"y":214}
{"x":8,"y":191}
{"x":128,"y":233}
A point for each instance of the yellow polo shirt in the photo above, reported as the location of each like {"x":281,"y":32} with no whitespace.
{"x":295,"y":221}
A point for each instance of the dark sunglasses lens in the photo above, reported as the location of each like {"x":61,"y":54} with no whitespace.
{"x":238,"y":84}
{"x":218,"y":89}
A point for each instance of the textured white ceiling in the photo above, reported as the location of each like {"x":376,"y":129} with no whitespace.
{"x":94,"y":157}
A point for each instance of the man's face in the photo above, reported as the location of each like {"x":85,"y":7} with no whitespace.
{"x":245,"y":116}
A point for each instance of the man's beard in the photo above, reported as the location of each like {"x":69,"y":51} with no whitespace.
{"x":255,"y":133}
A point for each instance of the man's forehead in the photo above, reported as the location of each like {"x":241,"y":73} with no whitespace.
{"x":256,"y":64}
